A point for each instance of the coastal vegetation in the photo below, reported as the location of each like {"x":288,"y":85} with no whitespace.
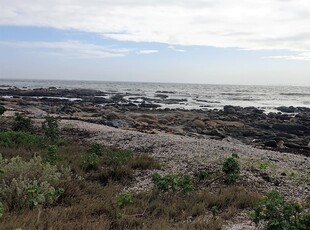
{"x":51,"y":180}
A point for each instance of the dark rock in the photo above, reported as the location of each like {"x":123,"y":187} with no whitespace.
{"x":271,"y":143}
{"x":149,"y":105}
{"x":165,"y":92}
{"x":162,"y":96}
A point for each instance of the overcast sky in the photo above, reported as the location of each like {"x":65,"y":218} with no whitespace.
{"x":198,"y":41}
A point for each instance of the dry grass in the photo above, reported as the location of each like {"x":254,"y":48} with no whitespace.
{"x":144,"y":162}
{"x":89,"y":201}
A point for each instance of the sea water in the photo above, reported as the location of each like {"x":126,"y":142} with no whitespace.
{"x":198,"y":96}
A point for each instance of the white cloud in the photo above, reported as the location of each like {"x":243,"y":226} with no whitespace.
{"x":244,"y":24}
{"x":73,"y":49}
{"x":148,"y":51}
{"x":176,"y":49}
{"x":299,"y":56}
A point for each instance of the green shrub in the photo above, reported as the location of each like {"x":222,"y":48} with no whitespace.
{"x":117,"y":158}
{"x":173,"y":183}
{"x":308,"y":199}
{"x":52,"y":154}
{"x":1,"y":209}
{"x":12,"y":139}
{"x":231,"y":170}
{"x":277,"y":213}
{"x":96,"y":148}
{"x":90,"y":161}
{"x":50,"y":128}
{"x":123,"y":199}
{"x":22,"y":123}
{"x":202,"y":175}
{"x":20,"y":177}
{"x":2,"y":109}
{"x":42,"y":194}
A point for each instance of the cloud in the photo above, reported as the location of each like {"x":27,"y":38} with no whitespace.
{"x":299,"y":56}
{"x":73,"y":49}
{"x":243,"y":24}
{"x":148,"y":51}
{"x":176,"y":49}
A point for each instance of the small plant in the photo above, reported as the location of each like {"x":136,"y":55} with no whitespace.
{"x":38,"y":195}
{"x":308,"y":199}
{"x":96,"y":148}
{"x":90,"y":161}
{"x":117,"y":158}
{"x":277,"y":213}
{"x":29,"y":183}
{"x":22,"y":123}
{"x":2,"y":109}
{"x":123,"y":199}
{"x":173,"y":183}
{"x":202,"y":175}
{"x":214,"y":210}
{"x":52,"y":154}
{"x":1,"y":209}
{"x":231,"y":170}
{"x":50,"y":128}
{"x":12,"y":139}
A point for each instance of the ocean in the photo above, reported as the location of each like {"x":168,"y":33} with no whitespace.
{"x":198,"y":96}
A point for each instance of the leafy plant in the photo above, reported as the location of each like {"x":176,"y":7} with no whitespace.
{"x":277,"y":213}
{"x":14,"y":139}
{"x":96,"y":148}
{"x":173,"y":183}
{"x":39,"y":194}
{"x":117,"y":158}
{"x":202,"y":175}
{"x":29,"y":183}
{"x":22,"y":123}
{"x":231,"y":170}
{"x":123,"y":199}
{"x":50,"y":128}
{"x":90,"y":161}
{"x":1,"y":209}
{"x":308,"y":199}
{"x":2,"y":109}
{"x":214,"y":210}
{"x":52,"y":154}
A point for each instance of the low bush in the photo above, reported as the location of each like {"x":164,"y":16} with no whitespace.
{"x":276,"y":213}
{"x":173,"y":183}
{"x":28,"y":183}
{"x":90,"y":161}
{"x":50,"y":128}
{"x":202,"y":175}
{"x":123,"y":199}
{"x":118,"y":157}
{"x":96,"y":149}
{"x":1,"y":209}
{"x":2,"y":109}
{"x":231,"y":169}
{"x":14,"y":139}
{"x":52,"y":154}
{"x":22,"y":123}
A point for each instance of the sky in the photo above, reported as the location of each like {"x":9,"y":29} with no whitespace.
{"x":265,"y":42}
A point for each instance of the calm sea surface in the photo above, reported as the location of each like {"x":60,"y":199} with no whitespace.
{"x":199,"y":96}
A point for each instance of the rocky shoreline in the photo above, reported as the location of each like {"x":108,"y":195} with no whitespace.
{"x":285,"y":131}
